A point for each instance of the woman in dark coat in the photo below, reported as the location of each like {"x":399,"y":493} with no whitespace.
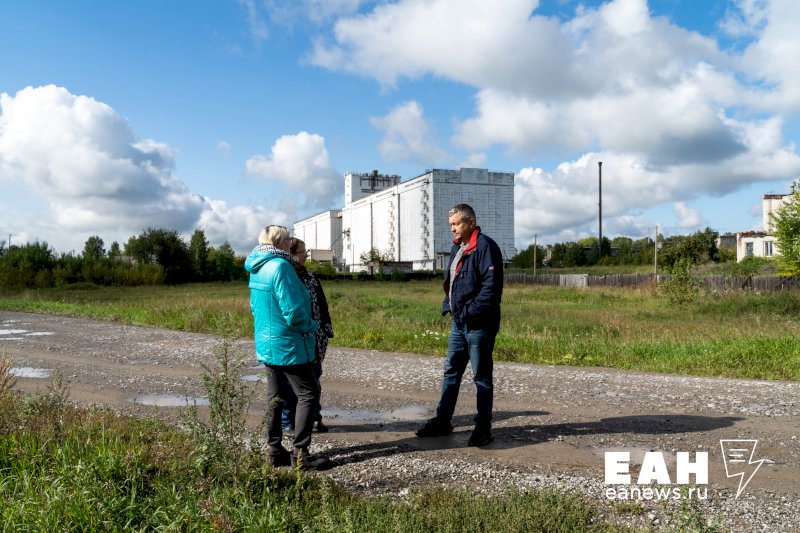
{"x":319,"y":312}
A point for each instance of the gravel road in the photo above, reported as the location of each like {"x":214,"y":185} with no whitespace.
{"x":553,"y":424}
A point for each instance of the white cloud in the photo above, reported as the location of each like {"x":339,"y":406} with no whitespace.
{"x":72,"y":168}
{"x":461,"y":40}
{"x":256,"y":24}
{"x":82,"y":160}
{"x":408,"y":136}
{"x":548,"y":203}
{"x":301,"y":162}
{"x":688,"y":218}
{"x":771,"y":58}
{"x":240,"y":225}
{"x":673,"y":115}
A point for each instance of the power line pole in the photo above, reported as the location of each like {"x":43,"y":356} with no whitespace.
{"x":655,"y":255}
{"x":600,"y":204}
{"x":534,"y":254}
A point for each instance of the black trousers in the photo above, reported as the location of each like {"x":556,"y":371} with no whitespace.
{"x":299,"y":379}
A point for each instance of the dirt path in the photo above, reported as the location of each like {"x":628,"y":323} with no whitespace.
{"x":552,"y":424}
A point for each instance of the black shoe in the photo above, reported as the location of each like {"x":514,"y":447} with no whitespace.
{"x":481,"y":436}
{"x":435,"y":427}
{"x":307,"y":461}
{"x":320,"y":427}
{"x":281,"y":457}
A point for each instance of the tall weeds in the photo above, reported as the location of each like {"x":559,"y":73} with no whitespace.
{"x":7,"y":378}
{"x":223,"y":444}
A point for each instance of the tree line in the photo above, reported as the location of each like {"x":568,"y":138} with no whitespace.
{"x":160,"y":256}
{"x":156,"y":256}
{"x":697,"y":248}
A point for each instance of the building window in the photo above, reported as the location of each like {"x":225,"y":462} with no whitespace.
{"x":768,"y":249}
{"x":748,"y":249}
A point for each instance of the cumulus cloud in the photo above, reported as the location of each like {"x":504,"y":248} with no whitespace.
{"x":688,"y":218}
{"x":770,"y":57}
{"x":301,"y":162}
{"x":550,"y":203}
{"x":240,"y":225}
{"x":71,"y":167}
{"x":408,"y":136}
{"x":673,"y":115}
{"x":81,"y":158}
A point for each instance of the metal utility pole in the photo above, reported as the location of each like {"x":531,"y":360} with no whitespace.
{"x":655,"y":255}
{"x":600,"y":204}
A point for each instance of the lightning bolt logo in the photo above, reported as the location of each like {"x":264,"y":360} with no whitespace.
{"x":738,"y":456}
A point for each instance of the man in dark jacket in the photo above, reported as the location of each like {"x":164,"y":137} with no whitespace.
{"x":473,"y":287}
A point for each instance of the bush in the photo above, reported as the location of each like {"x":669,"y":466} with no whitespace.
{"x":680,"y":288}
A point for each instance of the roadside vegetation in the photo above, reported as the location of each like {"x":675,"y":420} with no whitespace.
{"x":684,"y":330}
{"x":70,"y":468}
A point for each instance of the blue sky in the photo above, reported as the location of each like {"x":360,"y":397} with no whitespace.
{"x":229,"y":115}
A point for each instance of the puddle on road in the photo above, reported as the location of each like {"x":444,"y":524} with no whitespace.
{"x":13,"y":331}
{"x":168,"y":400}
{"x":39,"y":333}
{"x":30,"y":372}
{"x":11,"y":338}
{"x":407,"y":413}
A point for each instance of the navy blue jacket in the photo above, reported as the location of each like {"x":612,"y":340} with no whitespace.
{"x":478,"y":284}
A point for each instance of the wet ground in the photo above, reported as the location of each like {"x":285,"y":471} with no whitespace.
{"x":553,"y":425}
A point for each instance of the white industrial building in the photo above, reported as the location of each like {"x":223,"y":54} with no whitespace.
{"x":407,"y":223}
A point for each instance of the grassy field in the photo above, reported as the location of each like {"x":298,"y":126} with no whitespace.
{"x":733,"y":335}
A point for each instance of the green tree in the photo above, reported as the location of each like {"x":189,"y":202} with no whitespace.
{"x":198,"y":254}
{"x":525,"y":258}
{"x":164,"y":248}
{"x":224,"y":265}
{"x":699,"y":247}
{"x":93,"y":249}
{"x":29,"y":265}
{"x":114,"y":251}
{"x":787,"y":232}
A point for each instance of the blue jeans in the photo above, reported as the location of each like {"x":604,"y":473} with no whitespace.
{"x":474,"y":346}
{"x":290,"y":401}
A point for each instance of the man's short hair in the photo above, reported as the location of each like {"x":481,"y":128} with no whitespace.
{"x":273,"y":235}
{"x":464,"y":211}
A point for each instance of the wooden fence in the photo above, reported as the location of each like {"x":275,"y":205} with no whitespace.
{"x":716,"y":283}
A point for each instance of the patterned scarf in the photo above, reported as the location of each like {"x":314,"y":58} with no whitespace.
{"x":271,"y":249}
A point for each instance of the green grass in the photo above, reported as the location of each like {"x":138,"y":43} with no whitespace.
{"x":90,"y":469}
{"x":735,"y":334}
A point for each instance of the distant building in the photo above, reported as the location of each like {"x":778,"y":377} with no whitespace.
{"x":322,"y":234}
{"x":763,"y":243}
{"x":407,"y":223}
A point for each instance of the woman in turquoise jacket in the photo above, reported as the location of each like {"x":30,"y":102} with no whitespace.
{"x":285,"y":342}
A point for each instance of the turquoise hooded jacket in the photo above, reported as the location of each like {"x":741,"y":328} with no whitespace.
{"x":281,"y":306}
